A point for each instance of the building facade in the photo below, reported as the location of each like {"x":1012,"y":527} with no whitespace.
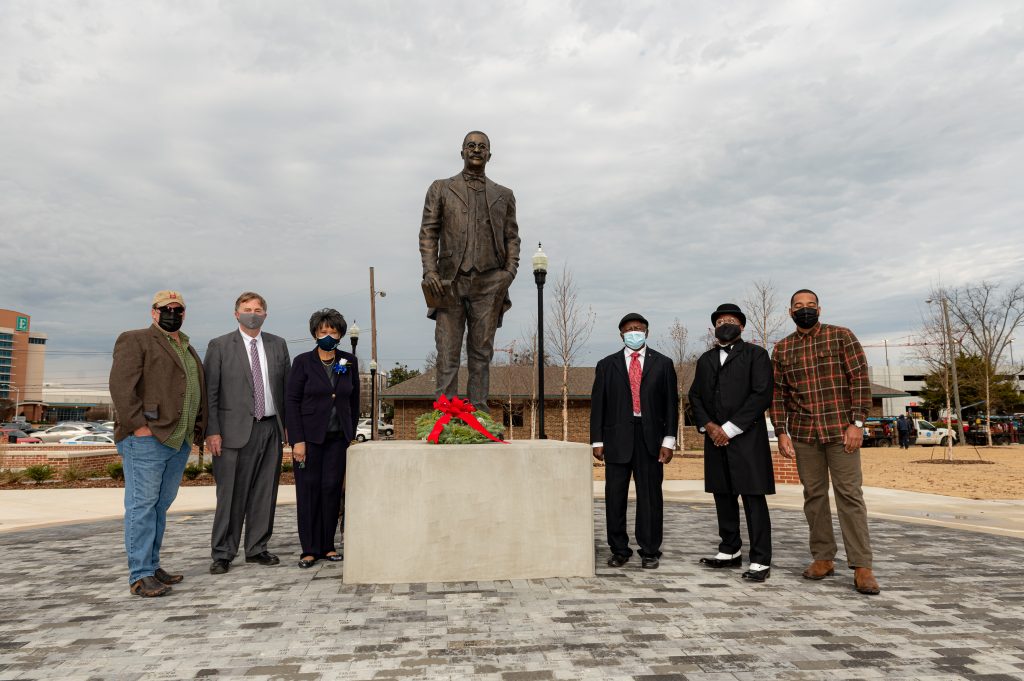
{"x":22,"y":364}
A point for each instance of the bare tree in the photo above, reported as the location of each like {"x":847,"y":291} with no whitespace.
{"x":988,"y":321}
{"x":430,"y":361}
{"x":567,"y":333}
{"x":932,"y":350}
{"x":678,"y":343}
{"x":765,"y":314}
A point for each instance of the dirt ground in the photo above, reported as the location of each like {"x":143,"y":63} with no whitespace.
{"x":896,"y":468}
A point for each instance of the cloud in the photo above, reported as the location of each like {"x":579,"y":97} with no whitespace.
{"x":668,"y":153}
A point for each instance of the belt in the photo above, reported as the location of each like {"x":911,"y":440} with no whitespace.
{"x":265,"y":418}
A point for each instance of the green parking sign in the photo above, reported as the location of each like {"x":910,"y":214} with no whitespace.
{"x":22,"y":324}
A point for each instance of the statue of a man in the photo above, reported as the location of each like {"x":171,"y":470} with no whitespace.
{"x":469,"y":245}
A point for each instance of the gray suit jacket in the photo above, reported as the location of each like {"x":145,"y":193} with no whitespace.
{"x":229,"y":387}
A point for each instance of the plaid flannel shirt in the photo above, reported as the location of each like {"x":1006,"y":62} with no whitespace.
{"x":821,"y":384}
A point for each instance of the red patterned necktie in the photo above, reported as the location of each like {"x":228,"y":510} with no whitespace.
{"x":634,"y":380}
{"x":259,"y":400}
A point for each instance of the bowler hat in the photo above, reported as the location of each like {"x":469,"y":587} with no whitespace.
{"x":634,"y":317}
{"x":729,"y":308}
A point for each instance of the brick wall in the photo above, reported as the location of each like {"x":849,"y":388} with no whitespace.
{"x":785,"y":470}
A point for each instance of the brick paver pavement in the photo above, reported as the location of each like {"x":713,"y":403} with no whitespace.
{"x":952,"y":607}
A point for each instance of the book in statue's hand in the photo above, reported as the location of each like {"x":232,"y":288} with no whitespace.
{"x":445,"y":300}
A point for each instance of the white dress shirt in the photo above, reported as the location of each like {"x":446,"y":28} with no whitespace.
{"x":730,"y":428}
{"x":268,"y":397}
{"x":669,"y":442}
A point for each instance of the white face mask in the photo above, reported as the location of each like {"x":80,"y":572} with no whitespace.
{"x":634,"y":340}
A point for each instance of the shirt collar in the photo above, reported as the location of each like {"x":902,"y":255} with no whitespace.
{"x":629,"y":352}
{"x":181,"y":334}
{"x":246,"y":337}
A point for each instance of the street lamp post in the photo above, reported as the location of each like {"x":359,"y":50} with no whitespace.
{"x":373,"y":398}
{"x":353,"y":336}
{"x":540,"y":273}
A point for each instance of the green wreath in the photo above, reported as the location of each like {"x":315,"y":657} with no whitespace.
{"x":456,"y":432}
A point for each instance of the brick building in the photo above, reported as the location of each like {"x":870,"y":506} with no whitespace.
{"x":22,"y":360}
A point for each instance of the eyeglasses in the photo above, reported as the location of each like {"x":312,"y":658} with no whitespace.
{"x":482,"y":146}
{"x":172,"y":310}
{"x":726,"y":320}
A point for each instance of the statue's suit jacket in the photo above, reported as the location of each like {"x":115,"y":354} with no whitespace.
{"x":229,"y":387}
{"x":445,"y":228}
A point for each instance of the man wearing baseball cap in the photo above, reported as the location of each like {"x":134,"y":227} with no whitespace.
{"x":158,"y":389}
{"x":634,"y":411}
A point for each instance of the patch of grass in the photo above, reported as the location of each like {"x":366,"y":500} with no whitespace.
{"x":39,"y":472}
{"x":192,"y":471}
{"x":115,"y":469}
{"x":72,"y":474}
{"x":9,"y":477}
{"x":287,"y":466}
{"x":208,"y":467}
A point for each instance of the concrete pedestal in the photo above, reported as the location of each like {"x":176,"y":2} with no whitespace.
{"x":445,"y":513}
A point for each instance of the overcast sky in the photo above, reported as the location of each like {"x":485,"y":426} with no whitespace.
{"x":668,"y":153}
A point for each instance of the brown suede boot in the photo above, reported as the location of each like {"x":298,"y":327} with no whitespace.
{"x":149,"y":587}
{"x":820,"y":569}
{"x":164,"y":577}
{"x":864,"y":581}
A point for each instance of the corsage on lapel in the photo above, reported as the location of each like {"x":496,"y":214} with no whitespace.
{"x":341,"y":366}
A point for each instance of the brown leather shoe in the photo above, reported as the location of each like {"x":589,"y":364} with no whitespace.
{"x":864,"y":581}
{"x":149,"y":587}
{"x":165,"y":577}
{"x":820,"y":569}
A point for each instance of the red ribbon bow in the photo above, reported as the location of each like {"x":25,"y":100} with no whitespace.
{"x":459,"y":409}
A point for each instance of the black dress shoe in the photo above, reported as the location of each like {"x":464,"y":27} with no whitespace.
{"x":220,"y":566}
{"x":649,"y":563}
{"x":336,"y":558}
{"x":306,"y":563}
{"x":149,"y":587}
{"x":264,"y":558}
{"x":757,"y":575}
{"x":165,"y":577}
{"x":722,"y":562}
{"x":617,"y":560}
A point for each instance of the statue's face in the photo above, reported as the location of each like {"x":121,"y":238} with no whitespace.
{"x":476,"y":152}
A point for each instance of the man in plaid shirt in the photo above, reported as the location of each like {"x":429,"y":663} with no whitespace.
{"x":822,"y":396}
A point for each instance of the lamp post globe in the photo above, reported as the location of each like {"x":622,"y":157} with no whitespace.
{"x":353,"y":336}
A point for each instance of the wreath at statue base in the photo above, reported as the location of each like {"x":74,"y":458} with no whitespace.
{"x":457,"y":422}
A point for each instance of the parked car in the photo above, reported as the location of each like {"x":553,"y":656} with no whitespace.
{"x":16,"y":436}
{"x":363,"y":430}
{"x":89,"y":439}
{"x":21,"y":425}
{"x":58,"y":433}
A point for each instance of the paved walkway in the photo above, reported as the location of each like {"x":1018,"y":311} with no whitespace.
{"x":25,"y":509}
{"x":952,"y":608}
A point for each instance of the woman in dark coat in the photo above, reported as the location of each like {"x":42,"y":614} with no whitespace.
{"x":322,"y":401}
{"x":732,"y":389}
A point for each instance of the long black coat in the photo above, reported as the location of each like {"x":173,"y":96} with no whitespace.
{"x":739,"y":391}
{"x":611,"y":405}
{"x":310,"y":395}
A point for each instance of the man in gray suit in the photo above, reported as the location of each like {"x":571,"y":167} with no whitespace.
{"x":469,"y":248}
{"x":246,"y":373}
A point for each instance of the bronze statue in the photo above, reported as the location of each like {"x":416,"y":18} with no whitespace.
{"x":469,"y":245}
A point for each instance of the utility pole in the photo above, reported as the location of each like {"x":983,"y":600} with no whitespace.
{"x":373,"y":356}
{"x":511,"y":351}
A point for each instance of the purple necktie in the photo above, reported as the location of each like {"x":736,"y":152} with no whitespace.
{"x":258,"y":398}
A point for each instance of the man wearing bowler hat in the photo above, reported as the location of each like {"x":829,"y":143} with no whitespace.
{"x":633,"y":418}
{"x":732,"y":389}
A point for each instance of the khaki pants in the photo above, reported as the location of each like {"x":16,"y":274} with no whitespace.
{"x":816,"y":463}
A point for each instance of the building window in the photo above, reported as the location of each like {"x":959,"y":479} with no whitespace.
{"x":513,"y":418}
{"x":913,"y":378}
{"x":37,"y":341}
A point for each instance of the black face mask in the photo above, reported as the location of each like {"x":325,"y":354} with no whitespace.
{"x":727,"y":333}
{"x":806,"y":317}
{"x":171,"y":318}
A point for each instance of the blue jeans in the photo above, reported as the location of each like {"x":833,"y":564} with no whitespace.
{"x":152,"y":475}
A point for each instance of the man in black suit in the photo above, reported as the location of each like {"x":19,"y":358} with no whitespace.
{"x":732,"y":389}
{"x":634,"y":412}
